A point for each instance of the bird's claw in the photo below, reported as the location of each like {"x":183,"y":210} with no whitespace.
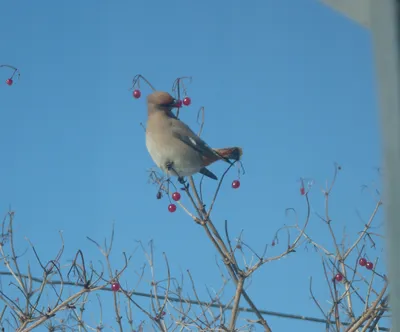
{"x":181,"y":180}
{"x":170,"y":168}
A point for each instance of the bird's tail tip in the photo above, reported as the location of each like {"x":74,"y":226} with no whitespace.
{"x":234,"y":153}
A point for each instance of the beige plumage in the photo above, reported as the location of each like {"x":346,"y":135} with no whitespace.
{"x":173,"y":146}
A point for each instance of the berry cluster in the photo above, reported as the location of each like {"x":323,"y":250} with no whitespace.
{"x":176,"y":197}
{"x":368,"y":265}
{"x":363,"y":262}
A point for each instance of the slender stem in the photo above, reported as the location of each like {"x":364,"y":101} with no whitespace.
{"x":234,"y":315}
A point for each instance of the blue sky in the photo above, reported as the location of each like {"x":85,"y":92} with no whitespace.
{"x":291,"y":82}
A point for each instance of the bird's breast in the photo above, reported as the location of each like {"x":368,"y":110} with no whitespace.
{"x":155,"y":149}
{"x":165,"y":149}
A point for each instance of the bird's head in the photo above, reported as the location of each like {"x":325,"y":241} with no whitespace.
{"x":160,"y":100}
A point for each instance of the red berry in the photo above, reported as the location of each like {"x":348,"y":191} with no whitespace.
{"x":302,"y":191}
{"x":339,"y":277}
{"x":235,"y":184}
{"x":137,"y":94}
{"x":9,"y":81}
{"x":176,"y":196}
{"x":172,"y":208}
{"x":115,"y":286}
{"x":187,"y":101}
{"x":273,"y":243}
{"x":369,"y":265}
{"x":178,"y":103}
{"x":362,"y":262}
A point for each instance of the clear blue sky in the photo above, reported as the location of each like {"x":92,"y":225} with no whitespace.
{"x":291,"y":82}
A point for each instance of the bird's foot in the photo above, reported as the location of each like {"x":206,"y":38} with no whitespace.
{"x":170,"y":167}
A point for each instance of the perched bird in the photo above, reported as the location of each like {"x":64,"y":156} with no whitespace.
{"x":173,"y":146}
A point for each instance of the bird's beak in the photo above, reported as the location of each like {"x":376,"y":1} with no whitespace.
{"x":172,"y":104}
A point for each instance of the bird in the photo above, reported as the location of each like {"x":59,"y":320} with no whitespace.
{"x":174,"y":147}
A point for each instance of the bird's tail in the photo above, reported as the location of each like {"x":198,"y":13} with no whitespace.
{"x":230,"y":153}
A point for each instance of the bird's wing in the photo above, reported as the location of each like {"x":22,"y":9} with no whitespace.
{"x":187,"y":136}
